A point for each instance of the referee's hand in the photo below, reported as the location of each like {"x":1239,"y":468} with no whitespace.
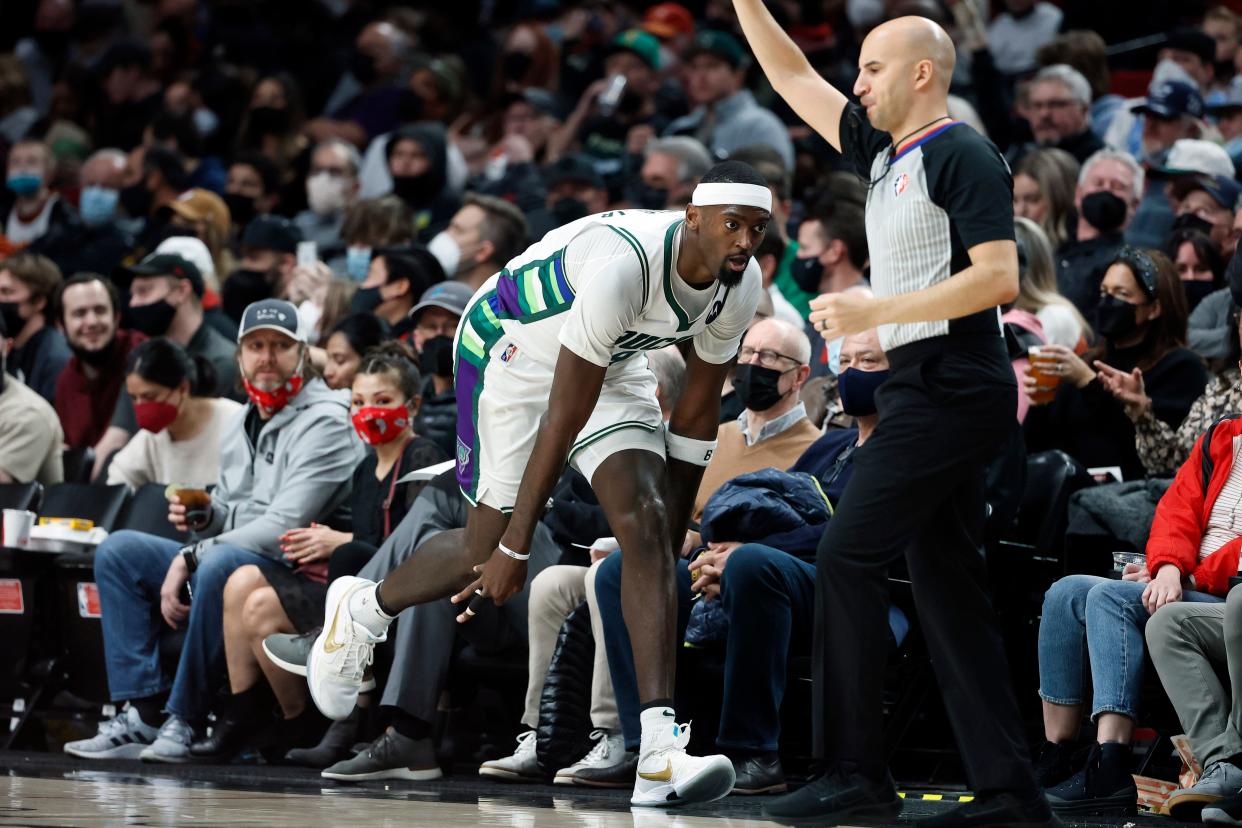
{"x":499,"y":580}
{"x":840,"y":314}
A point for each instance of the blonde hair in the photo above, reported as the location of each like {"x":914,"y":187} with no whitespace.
{"x":1056,"y":172}
{"x":1037,"y":287}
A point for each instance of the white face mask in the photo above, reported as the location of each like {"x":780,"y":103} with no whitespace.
{"x":447,"y":253}
{"x":325,"y":193}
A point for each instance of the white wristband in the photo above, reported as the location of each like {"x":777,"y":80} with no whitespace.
{"x":517,"y":556}
{"x":688,"y":450}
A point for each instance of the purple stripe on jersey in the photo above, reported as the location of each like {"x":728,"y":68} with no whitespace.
{"x":507,"y":293}
{"x":466,"y":382}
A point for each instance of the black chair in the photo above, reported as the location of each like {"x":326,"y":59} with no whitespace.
{"x":147,"y":511}
{"x":78,"y":464}
{"x":101,"y":504}
{"x":21,"y":495}
{"x":1039,"y":528}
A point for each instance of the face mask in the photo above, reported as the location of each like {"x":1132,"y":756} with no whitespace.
{"x":98,"y":204}
{"x":1189,"y":221}
{"x":136,"y":199}
{"x":268,"y":120}
{"x":447,"y":252}
{"x":152,"y":319}
{"x":362,"y":67}
{"x":1114,"y":318}
{"x":858,"y":390}
{"x":25,"y":184}
{"x":241,"y":289}
{"x":155,"y":416}
{"x":241,"y":208}
{"x":13,"y":322}
{"x":568,"y":209}
{"x":205,"y":121}
{"x":647,"y":197}
{"x":834,"y":355}
{"x":269,"y":402}
{"x":1196,"y":292}
{"x":807,"y":273}
{"x":437,"y":356}
{"x":758,"y":387}
{"x":414,"y":189}
{"x":380,"y":425}
{"x":95,"y":359}
{"x":515,"y":65}
{"x":325,"y":194}
{"x":1103,"y":211}
{"x":357,"y":262}
{"x":365,"y":300}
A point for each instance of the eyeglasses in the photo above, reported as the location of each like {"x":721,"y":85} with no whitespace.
{"x":767,"y":358}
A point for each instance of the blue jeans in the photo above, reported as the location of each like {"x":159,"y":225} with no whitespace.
{"x":1100,"y":620}
{"x":130,"y":568}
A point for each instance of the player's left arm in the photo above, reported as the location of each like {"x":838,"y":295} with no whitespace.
{"x":696,"y":417}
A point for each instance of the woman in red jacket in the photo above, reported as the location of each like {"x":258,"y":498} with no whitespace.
{"x":1191,"y":552}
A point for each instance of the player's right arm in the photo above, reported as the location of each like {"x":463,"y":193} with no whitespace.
{"x":816,"y":101}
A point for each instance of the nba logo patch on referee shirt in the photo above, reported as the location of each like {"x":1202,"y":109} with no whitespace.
{"x":508,"y":353}
{"x":900,"y":184}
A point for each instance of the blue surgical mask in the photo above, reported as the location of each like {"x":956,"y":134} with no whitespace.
{"x":357,"y":262}
{"x":834,"y":355}
{"x":98,"y":204}
{"x":25,"y":184}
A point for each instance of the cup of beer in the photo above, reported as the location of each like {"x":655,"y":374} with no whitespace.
{"x":1044,"y":370}
{"x":197,"y":503}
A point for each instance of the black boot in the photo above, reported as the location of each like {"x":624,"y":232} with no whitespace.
{"x":245,"y":714}
{"x":336,"y":744}
{"x":1054,"y":764}
{"x":1103,"y":788}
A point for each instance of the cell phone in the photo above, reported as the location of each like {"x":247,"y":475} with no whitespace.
{"x":308,"y":254}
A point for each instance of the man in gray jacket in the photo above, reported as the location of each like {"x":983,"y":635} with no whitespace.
{"x":287,"y":460}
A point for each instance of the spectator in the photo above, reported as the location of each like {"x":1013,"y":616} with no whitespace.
{"x":192,"y":249}
{"x":1225,"y":27}
{"x":131,"y":96}
{"x":1201,"y":269}
{"x":34,"y":216}
{"x":274,"y":122}
{"x":104,"y":240}
{"x":291,"y":415}
{"x":482,"y":237}
{"x":252,"y":187}
{"x":1170,"y":115}
{"x":259,"y":602}
{"x":347,"y":341}
{"x":370,"y":224}
{"x":1017,"y":33}
{"x":31,"y":440}
{"x":269,"y":246}
{"x":435,"y":319}
{"x":726,"y":117}
{"x":364,"y":103}
{"x":17,"y":115}
{"x":181,"y":423}
{"x":155,"y":178}
{"x":179,"y":134}
{"x":509,"y":168}
{"x":204,"y":215}
{"x":832,"y":252}
{"x":393,"y":282}
{"x":1228,"y":114}
{"x":1059,"y":107}
{"x":1043,"y":191}
{"x":1142,"y":321}
{"x":331,"y":189}
{"x":671,"y":170}
{"x":87,"y":389}
{"x":418,"y":163}
{"x":673,"y":24}
{"x":1195,"y":52}
{"x":1211,"y":199}
{"x":575,"y":190}
{"x":1109,"y":189}
{"x":38,"y":352}
{"x":1061,"y":322}
{"x":1087,"y":52}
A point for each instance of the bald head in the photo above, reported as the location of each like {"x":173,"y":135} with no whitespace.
{"x":904,"y":70}
{"x":776,"y":334}
{"x":919,"y":39}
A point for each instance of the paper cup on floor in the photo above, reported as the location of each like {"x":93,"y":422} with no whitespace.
{"x":15,"y":531}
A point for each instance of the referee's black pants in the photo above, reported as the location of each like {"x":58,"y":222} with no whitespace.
{"x":917,"y":489}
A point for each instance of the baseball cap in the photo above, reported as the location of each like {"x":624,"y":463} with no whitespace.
{"x":168,"y":264}
{"x":1171,"y":99}
{"x":272,"y":233}
{"x":193,"y":251}
{"x":721,"y":44}
{"x":1192,"y":156}
{"x":1233,"y":99}
{"x":198,"y":204}
{"x":1193,"y":40}
{"x":1224,"y":190}
{"x":451,"y":296}
{"x":667,"y":20}
{"x":640,"y":43}
{"x":271,"y":315}
{"x":572,"y":168}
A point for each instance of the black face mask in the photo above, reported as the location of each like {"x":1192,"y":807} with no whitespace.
{"x":1189,"y":221}
{"x":152,"y":319}
{"x":647,"y":197}
{"x":13,"y":322}
{"x":136,"y":199}
{"x":858,"y":389}
{"x":241,"y":208}
{"x":758,"y":387}
{"x":515,"y":65}
{"x":1115,"y":319}
{"x":365,"y":300}
{"x":242,"y":288}
{"x":95,"y":359}
{"x":414,"y":189}
{"x":362,"y":67}
{"x":807,"y":273}
{"x":567,"y":210}
{"x":268,"y":120}
{"x":1196,"y":292}
{"x":437,"y":356}
{"x":1104,"y":211}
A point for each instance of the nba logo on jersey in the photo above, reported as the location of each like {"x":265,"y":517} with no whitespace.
{"x":508,"y":353}
{"x":899,"y":186}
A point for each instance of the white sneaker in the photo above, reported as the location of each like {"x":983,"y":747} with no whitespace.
{"x":608,"y":750}
{"x":522,"y":766}
{"x":121,"y":737}
{"x":341,"y":654}
{"x":668,"y":776}
{"x":173,"y":743}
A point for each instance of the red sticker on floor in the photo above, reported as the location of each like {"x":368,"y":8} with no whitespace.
{"x":88,"y":601}
{"x":11,"y":600}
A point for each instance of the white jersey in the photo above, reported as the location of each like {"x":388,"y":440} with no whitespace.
{"x":606,"y":287}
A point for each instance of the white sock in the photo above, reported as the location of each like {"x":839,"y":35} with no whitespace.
{"x":656,"y":722}
{"x":364,"y":608}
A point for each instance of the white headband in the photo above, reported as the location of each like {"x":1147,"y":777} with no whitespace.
{"x":747,"y":195}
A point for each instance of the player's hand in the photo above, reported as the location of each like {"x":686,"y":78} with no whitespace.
{"x":499,"y":579}
{"x":836,"y":315}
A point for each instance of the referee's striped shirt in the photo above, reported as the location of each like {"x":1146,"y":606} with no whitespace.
{"x":928,"y":203}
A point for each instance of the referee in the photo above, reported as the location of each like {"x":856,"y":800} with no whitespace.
{"x":940,"y":233}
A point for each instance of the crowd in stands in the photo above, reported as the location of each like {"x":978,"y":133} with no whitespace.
{"x":236,"y":240}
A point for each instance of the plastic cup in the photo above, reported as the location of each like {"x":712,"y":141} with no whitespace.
{"x":16,"y":528}
{"x":1044,"y":370}
{"x":1120,"y":559}
{"x":197,"y":503}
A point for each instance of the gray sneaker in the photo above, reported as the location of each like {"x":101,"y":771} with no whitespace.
{"x":391,"y":756}
{"x":124,"y":736}
{"x":1220,"y":780}
{"x":290,"y":652}
{"x":522,"y":766}
{"x":173,"y":743}
{"x":608,"y":750}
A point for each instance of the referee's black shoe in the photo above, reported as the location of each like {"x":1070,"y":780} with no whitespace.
{"x":838,"y":796}
{"x":997,"y":809}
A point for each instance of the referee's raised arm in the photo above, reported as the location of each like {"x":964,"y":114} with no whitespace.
{"x":816,"y":101}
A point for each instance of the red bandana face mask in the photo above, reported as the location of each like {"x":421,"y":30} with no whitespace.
{"x":380,"y":425}
{"x":269,"y":402}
